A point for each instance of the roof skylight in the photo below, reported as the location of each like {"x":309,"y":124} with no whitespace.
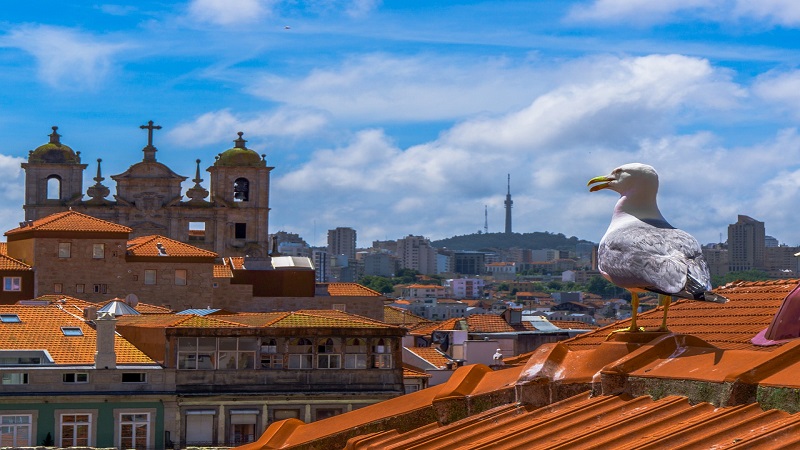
{"x":72,"y":331}
{"x":9,"y":318}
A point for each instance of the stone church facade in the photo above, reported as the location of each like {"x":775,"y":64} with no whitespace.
{"x":230,"y":220}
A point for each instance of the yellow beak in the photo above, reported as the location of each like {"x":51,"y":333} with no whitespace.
{"x":602,"y":180}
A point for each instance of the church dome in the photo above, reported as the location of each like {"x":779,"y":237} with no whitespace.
{"x":239,"y":156}
{"x":54,"y":152}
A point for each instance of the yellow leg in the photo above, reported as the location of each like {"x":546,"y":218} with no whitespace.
{"x":634,"y":311}
{"x":665,"y":301}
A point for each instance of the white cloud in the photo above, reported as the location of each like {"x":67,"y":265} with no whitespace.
{"x":647,"y":12}
{"x":585,"y":128}
{"x":381,"y":87}
{"x":229,"y":12}
{"x":361,"y":8}
{"x":781,"y":89}
{"x":66,"y":58}
{"x":216,"y":126}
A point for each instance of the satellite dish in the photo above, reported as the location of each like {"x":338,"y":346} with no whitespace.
{"x":132,"y":300}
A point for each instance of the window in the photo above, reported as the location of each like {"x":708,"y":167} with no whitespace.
{"x":300,"y":356}
{"x":101,"y":289}
{"x":98,"y":251}
{"x":134,"y":430}
{"x":180,"y":277}
{"x":324,"y":413}
{"x":134,"y":377}
{"x":382,"y":354}
{"x":12,"y":284}
{"x":339,"y":307}
{"x":14,"y":378}
{"x":355,"y":354}
{"x":243,"y":425}
{"x":80,"y":377}
{"x":240,"y":231}
{"x":270,"y":357}
{"x":72,"y":331}
{"x":53,"y":187}
{"x":9,"y":318}
{"x":197,"y":353}
{"x":237,"y":353}
{"x":241,"y":190}
{"x":409,"y":388}
{"x":76,"y":430}
{"x":149,"y":276}
{"x":58,"y":288}
{"x":197,"y":231}
{"x":200,"y":427}
{"x":15,"y":430}
{"x":328,"y":356}
{"x":64,"y":249}
{"x":79,"y":288}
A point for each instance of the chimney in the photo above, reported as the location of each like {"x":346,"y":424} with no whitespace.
{"x":90,"y":312}
{"x":105,"y":357}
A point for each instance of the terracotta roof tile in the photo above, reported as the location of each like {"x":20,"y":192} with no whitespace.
{"x":9,"y":263}
{"x":400,"y":316}
{"x":235,"y":262}
{"x":492,"y":323}
{"x":40,"y":328}
{"x":573,"y":325}
{"x":433,"y":356}
{"x":349,"y":290}
{"x":731,"y":325}
{"x":326,"y":319}
{"x":149,"y":246}
{"x":424,"y":286}
{"x":412,"y":372}
{"x":71,"y":221}
{"x":425,"y":329}
{"x":222,"y":271}
{"x":3,"y":248}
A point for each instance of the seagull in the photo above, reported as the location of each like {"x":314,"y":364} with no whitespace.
{"x":641,"y":251}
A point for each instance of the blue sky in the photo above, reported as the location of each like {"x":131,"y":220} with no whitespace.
{"x":405,"y":117}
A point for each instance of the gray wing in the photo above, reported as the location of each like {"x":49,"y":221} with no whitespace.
{"x":664,"y":260}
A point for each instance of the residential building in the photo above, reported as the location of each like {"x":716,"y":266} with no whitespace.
{"x":380,"y":264}
{"x":465,"y":288}
{"x":342,"y":241}
{"x":502,"y":271}
{"x":746,"y":245}
{"x":148,"y":196}
{"x":92,"y":378}
{"x":469,"y":263}
{"x":717,"y":259}
{"x":416,"y":253}
{"x":415,"y":291}
{"x":580,"y":392}
{"x":781,"y":261}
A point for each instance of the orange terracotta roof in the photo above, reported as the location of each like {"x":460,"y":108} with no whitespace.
{"x":412,"y":372}
{"x":326,"y":319}
{"x":148,"y":246}
{"x":606,"y":421}
{"x":222,"y":271}
{"x":424,"y":286}
{"x":194,"y":321}
{"x":349,"y":290}
{"x":573,"y":325}
{"x":70,"y":221}
{"x":400,"y":316}
{"x":492,"y":323}
{"x":3,"y":248}
{"x":9,"y":263}
{"x":433,"y":356}
{"x":40,"y":329}
{"x":236,"y":262}
{"x":425,"y":329}
{"x":731,"y":325}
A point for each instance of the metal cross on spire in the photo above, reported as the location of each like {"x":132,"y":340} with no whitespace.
{"x":150,"y":127}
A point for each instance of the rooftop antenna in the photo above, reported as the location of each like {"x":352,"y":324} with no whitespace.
{"x":486,"y":219}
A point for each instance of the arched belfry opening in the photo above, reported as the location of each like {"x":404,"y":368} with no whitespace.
{"x":241,"y":190}
{"x":53,"y":187}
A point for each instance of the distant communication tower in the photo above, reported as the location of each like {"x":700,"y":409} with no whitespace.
{"x":508,"y":203}
{"x":486,"y":219}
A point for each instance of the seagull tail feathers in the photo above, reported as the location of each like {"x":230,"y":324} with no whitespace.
{"x":709,"y":296}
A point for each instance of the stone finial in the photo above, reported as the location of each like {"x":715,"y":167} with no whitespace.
{"x":239,"y":143}
{"x":55,"y":137}
{"x":98,"y":192}
{"x":99,"y":176}
{"x":197,"y":193}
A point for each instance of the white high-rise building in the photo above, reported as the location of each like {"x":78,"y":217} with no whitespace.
{"x":416,"y":253}
{"x":342,"y":241}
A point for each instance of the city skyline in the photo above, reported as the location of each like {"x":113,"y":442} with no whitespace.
{"x":398,"y":118}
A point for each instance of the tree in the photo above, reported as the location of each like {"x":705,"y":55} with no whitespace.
{"x":381,"y":284}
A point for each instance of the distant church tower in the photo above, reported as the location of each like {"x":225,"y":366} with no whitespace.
{"x":149,"y":197}
{"x":508,"y":203}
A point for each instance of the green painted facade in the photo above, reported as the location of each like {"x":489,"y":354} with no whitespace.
{"x":103,"y":427}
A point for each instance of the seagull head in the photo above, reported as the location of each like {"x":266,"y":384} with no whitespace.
{"x":627,"y":179}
